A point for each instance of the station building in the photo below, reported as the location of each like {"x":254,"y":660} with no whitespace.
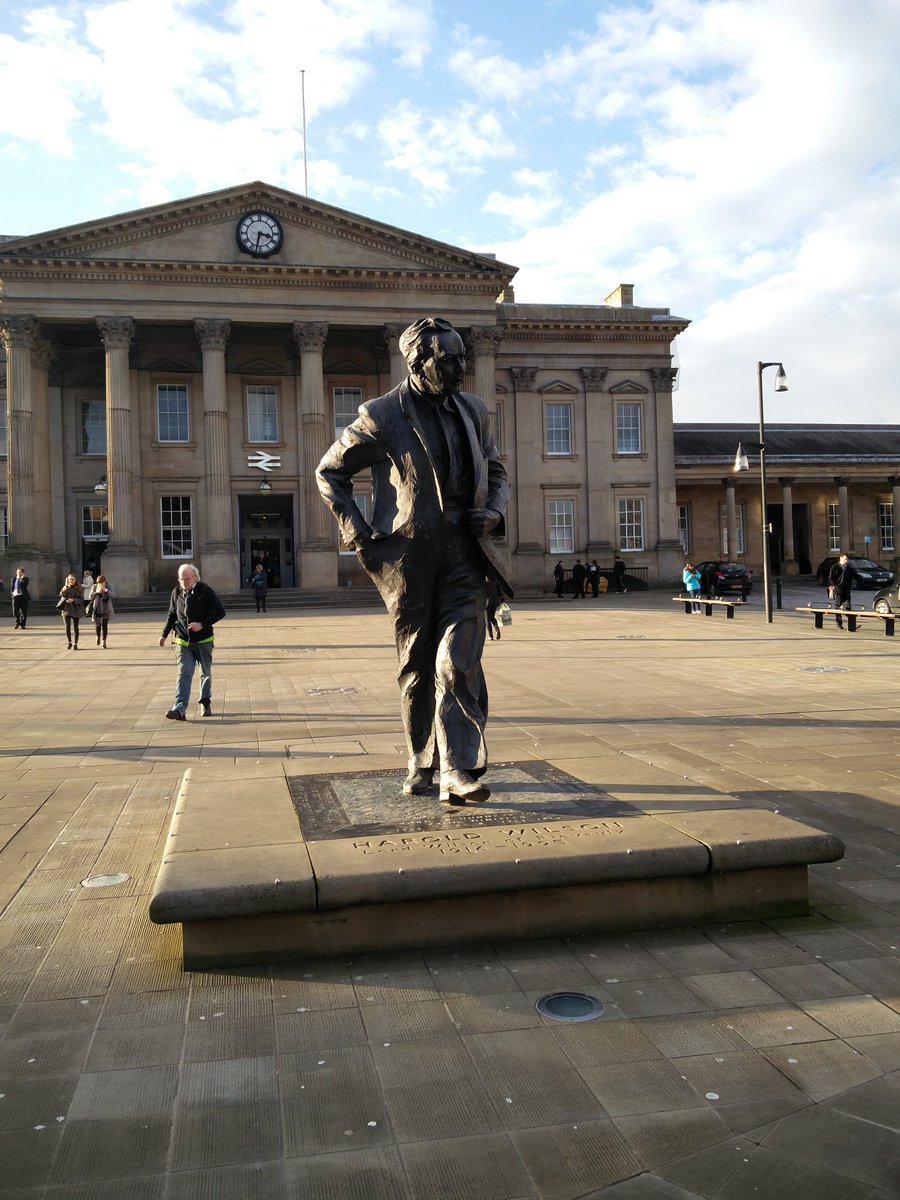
{"x":173,"y":376}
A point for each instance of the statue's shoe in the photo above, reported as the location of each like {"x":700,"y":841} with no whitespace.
{"x":418,"y":781}
{"x":458,"y":787}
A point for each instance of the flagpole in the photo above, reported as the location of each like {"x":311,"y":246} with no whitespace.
{"x":303,"y":100}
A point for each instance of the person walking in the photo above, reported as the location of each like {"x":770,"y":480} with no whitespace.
{"x":559,"y":575}
{"x":578,"y":577}
{"x":87,"y":582}
{"x":618,"y":574}
{"x":593,"y":577}
{"x":193,"y":610}
{"x":260,"y":585}
{"x":840,"y":583}
{"x":691,"y":577}
{"x":100,"y":608}
{"x":71,"y":609}
{"x":20,"y":597}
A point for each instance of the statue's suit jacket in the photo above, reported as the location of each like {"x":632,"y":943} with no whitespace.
{"x":406,"y":495}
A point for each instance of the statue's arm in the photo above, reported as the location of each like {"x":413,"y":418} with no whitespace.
{"x":357,"y":449}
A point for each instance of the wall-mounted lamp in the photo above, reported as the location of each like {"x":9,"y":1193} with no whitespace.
{"x":265,"y":486}
{"x":101,"y":487}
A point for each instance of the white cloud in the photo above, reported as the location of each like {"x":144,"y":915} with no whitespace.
{"x":437,"y":148}
{"x":538,"y":195}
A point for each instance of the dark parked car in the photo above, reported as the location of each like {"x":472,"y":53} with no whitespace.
{"x":887,"y":600}
{"x":728,"y":577}
{"x":866,"y":574}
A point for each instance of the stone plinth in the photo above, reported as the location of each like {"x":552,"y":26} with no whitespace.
{"x":330,"y":864}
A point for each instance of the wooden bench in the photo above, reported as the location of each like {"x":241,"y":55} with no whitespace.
{"x":851,"y":617}
{"x":728,"y":605}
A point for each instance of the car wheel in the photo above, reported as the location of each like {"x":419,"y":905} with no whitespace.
{"x":882,"y":606}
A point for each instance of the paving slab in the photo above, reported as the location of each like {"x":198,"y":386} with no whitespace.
{"x":409,"y":1040}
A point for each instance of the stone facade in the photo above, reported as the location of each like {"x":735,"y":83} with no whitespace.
{"x":169,"y":394}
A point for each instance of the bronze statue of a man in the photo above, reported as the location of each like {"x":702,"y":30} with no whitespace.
{"x":439,"y":491}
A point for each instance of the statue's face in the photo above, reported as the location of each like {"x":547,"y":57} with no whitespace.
{"x":442,"y":372}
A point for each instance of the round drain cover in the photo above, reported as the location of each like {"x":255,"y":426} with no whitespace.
{"x":104,"y":880}
{"x":570,"y":1006}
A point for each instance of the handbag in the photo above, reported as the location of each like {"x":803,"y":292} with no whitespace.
{"x":504,"y":614}
{"x":61,"y":602}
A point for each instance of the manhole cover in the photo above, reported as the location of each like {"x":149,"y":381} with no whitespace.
{"x":570,"y":1006}
{"x":345,"y":691}
{"x":630,"y":637}
{"x":104,"y":880}
{"x":825,"y":670}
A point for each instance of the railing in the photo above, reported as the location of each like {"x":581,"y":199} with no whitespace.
{"x":635,"y":579}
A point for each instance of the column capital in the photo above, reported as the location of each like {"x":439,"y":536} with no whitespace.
{"x":485,"y":339}
{"x":842,"y":480}
{"x":310,"y":335}
{"x":392,"y":337}
{"x":663,"y":378}
{"x":894,"y":480}
{"x":43,"y":354}
{"x":786,"y":480}
{"x":20,"y":333}
{"x":593,"y":378}
{"x":212,"y":332}
{"x":116,"y":332}
{"x":729,"y":481}
{"x":523,"y":378}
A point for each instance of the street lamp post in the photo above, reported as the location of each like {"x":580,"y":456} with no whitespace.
{"x":740,"y":464}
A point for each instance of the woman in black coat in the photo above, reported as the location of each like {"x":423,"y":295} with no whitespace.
{"x":71,"y":609}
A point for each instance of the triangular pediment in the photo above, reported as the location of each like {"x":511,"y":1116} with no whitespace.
{"x":556,"y":387}
{"x":259,"y":366}
{"x":344,"y":367}
{"x":171,"y":366}
{"x":628,"y":387}
{"x":202,"y":230}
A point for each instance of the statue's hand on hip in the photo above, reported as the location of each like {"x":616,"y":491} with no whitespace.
{"x":482,"y":521}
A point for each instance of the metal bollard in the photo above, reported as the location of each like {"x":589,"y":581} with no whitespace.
{"x":778,"y":593}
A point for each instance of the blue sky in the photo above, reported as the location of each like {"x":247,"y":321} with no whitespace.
{"x":738,"y":161}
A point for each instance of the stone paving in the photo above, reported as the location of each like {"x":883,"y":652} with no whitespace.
{"x":756,"y":1059}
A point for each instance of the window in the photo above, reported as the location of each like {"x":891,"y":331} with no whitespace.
{"x":93,"y":427}
{"x":262,"y":413}
{"x":176,"y":537}
{"x":561,"y":515}
{"x":558,"y":426}
{"x":834,"y":527}
{"x":727,"y":552}
{"x":4,"y":530}
{"x":346,"y":404}
{"x":94,"y":526}
{"x":631,"y":524}
{"x":886,"y":524}
{"x":628,"y":429}
{"x":684,"y":528}
{"x":172,"y":412}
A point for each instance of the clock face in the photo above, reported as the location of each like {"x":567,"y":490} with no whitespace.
{"x":260,"y":234}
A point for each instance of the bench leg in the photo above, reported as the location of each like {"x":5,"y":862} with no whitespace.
{"x":817,"y":617}
{"x":889,"y":627}
{"x":851,"y":623}
{"x":687,"y":607}
{"x":729,"y":612}
{"x":708,"y":608}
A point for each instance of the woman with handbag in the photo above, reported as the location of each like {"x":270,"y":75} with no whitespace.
{"x":71,"y":609}
{"x":100,"y":607}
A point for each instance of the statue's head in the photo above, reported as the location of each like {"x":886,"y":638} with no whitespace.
{"x":434,"y":355}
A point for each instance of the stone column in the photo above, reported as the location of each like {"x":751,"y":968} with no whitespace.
{"x":20,"y":338}
{"x":41,"y":358}
{"x":731,"y":531}
{"x":598,"y":455}
{"x":124,"y":560}
{"x":530,"y":547}
{"x":894,"y":481}
{"x":790,"y":565}
{"x":670,"y":554}
{"x":844,"y":512}
{"x":398,"y":364}
{"x":485,"y":342}
{"x":219,"y":560}
{"x":318,"y":560}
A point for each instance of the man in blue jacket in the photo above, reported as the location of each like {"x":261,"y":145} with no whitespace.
{"x":193,"y":610}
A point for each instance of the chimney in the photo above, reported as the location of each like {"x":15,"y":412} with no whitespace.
{"x":621,"y":297}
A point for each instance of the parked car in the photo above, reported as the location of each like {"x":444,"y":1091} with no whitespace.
{"x":866,"y":574}
{"x":887,"y":600}
{"x":729,"y":577}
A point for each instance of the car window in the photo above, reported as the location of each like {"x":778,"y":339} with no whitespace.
{"x":866,"y":563}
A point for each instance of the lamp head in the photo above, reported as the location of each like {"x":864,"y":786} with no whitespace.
{"x":101,"y":486}
{"x":740,"y":460}
{"x":781,"y":383}
{"x":265,"y":486}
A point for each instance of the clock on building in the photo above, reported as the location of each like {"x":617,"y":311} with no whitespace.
{"x":259,"y":233}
